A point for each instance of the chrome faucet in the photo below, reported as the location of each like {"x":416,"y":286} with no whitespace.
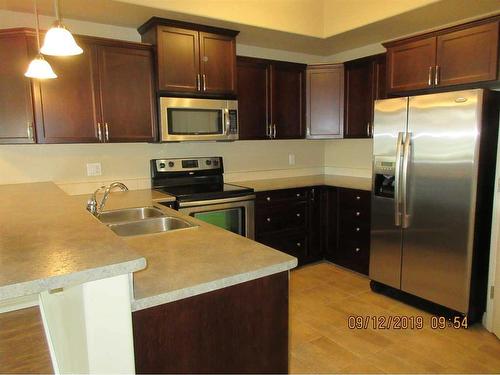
{"x":93,"y":207}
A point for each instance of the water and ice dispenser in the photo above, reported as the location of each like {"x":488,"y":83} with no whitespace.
{"x":384,"y":169}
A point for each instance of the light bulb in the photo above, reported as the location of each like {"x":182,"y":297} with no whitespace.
{"x":40,"y":68}
{"x":59,"y":42}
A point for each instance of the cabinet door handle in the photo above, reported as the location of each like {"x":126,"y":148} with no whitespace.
{"x":297,"y":214}
{"x":368,"y":128}
{"x":357,"y":249}
{"x":357,"y":229}
{"x":268,"y":219}
{"x":204,"y":82}
{"x":106,"y":131}
{"x":429,"y":81}
{"x":29,"y":130}
{"x":268,"y":199}
{"x":358,"y":213}
{"x":299,"y":244}
{"x":298,"y":195}
{"x":198,"y":82}
{"x":274,"y":131}
{"x":99,"y":132}
{"x":269,"y":131}
{"x":358,"y":197}
{"x":436,"y":76}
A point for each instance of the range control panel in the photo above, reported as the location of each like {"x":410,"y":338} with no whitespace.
{"x":192,"y":164}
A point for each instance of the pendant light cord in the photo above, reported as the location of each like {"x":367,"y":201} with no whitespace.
{"x":37,"y":27}
{"x":56,"y":11}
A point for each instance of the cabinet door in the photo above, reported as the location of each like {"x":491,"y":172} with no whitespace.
{"x":67,"y":109}
{"x":16,"y":105}
{"x":178,"y":59}
{"x":218,"y":63}
{"x":253,"y":98}
{"x":126,"y":89}
{"x":358,"y":99}
{"x":469,"y":55}
{"x":287,"y":100}
{"x":317,"y":223}
{"x":410,"y":65}
{"x":325,"y":101}
{"x":379,"y":78}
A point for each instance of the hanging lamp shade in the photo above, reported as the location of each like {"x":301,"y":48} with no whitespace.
{"x":59,"y":42}
{"x":40,"y":68}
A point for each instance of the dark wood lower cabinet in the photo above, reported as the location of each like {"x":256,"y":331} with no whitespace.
{"x":316,"y":223}
{"x":238,"y":329}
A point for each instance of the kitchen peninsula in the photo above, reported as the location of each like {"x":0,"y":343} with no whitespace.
{"x":75,"y":262}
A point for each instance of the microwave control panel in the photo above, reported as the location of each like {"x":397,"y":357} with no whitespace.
{"x":233,"y":121}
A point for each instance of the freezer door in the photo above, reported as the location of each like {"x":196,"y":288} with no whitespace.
{"x":385,"y":248}
{"x":440,"y":196}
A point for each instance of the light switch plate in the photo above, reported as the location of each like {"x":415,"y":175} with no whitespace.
{"x":291,"y":159}
{"x":94,"y":169}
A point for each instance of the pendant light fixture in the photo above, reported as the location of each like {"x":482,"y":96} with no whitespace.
{"x":39,"y":67}
{"x":58,"y":40}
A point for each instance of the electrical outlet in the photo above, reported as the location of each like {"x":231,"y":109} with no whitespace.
{"x":94,"y":169}
{"x":291,"y":159}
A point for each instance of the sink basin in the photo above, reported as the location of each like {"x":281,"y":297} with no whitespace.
{"x":130,"y":214}
{"x":150,"y":226}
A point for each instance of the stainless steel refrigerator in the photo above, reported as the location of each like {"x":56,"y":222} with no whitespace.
{"x":433,"y":181}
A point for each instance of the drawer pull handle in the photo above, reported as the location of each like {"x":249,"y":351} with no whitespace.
{"x":298,"y":195}
{"x":299,"y":244}
{"x":357,"y":229}
{"x":268,"y":199}
{"x":358,"y":197}
{"x":358,"y":213}
{"x":357,"y":249}
{"x":298,"y":214}
{"x":268,"y":219}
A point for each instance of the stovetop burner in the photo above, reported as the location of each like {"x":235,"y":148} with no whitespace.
{"x":193,"y":179}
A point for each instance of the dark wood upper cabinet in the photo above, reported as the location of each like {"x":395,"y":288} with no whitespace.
{"x":364,"y":83}
{"x":288,"y":100}
{"x":410,"y":65}
{"x":469,"y":55}
{"x":325,"y":101}
{"x":178,"y":59}
{"x":271,"y":99}
{"x":253,"y":98}
{"x":104,"y":95}
{"x":68,"y":109}
{"x":461,"y":55}
{"x":16,"y":102}
{"x":217,"y":63}
{"x":192,"y":59}
{"x":126,"y":93}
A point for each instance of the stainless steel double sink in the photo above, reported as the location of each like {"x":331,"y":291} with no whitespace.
{"x":141,"y":220}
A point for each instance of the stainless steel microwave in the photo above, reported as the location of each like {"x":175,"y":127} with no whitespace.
{"x":189,"y":119}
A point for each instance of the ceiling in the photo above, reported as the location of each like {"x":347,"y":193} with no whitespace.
{"x":319,"y":27}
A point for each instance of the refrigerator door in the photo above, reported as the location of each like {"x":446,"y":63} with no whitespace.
{"x":390,"y":122}
{"x":440,"y":196}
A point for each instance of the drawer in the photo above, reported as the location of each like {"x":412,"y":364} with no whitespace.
{"x":352,"y":230}
{"x":281,"y":218}
{"x":354,"y":255}
{"x":351,"y":198}
{"x":354,"y":215}
{"x":293,"y":244}
{"x":272,"y":197}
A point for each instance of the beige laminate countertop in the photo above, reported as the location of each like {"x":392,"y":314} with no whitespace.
{"x":361,"y":183}
{"x":191,"y":261}
{"x":49,"y":241}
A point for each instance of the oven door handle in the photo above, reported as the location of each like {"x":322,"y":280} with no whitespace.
{"x":210,"y":202}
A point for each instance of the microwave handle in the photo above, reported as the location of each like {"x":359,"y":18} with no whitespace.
{"x":225,"y":116}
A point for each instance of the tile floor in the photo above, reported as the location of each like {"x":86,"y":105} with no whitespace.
{"x":322,"y":298}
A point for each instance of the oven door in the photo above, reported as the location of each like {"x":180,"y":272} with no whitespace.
{"x":188,"y":119}
{"x":234,"y":214}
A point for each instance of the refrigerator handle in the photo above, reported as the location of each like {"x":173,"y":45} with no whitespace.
{"x":397,"y":169}
{"x":404,"y":182}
